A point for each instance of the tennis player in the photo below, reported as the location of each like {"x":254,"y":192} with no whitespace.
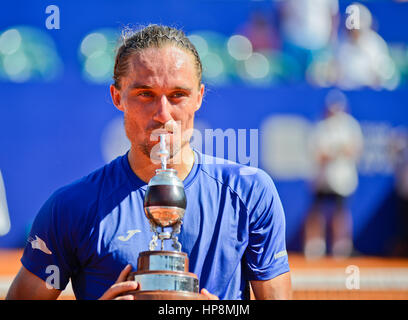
{"x":91,"y":231}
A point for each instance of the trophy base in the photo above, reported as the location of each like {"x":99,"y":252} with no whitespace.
{"x":167,"y":295}
{"x":163,"y":275}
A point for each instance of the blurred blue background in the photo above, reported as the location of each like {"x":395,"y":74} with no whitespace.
{"x":268,"y":65}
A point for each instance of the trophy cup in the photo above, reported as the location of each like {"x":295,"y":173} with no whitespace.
{"x":163,"y":275}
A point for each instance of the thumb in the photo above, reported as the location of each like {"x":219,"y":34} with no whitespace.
{"x":124,"y":273}
{"x":210,"y":296}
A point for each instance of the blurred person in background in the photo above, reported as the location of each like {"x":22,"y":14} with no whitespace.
{"x":399,"y":157}
{"x":336,"y":144}
{"x":308,"y":27}
{"x":363,"y":57}
{"x":261,"y":31}
{"x":4,"y":213}
{"x":359,"y":58}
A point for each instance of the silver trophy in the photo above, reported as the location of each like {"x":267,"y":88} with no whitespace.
{"x":163,"y":275}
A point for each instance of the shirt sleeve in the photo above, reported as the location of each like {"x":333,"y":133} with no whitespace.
{"x":48,"y":252}
{"x":266,"y":256}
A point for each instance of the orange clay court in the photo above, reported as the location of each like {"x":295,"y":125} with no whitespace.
{"x":326,"y":278}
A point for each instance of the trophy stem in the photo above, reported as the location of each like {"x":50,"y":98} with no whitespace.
{"x":162,"y":241}
{"x":176,"y":230}
{"x":163,"y":153}
{"x":153,"y":242}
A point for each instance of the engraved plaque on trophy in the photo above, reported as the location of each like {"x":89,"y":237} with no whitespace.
{"x":164,"y":275}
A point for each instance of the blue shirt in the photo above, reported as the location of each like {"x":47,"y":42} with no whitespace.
{"x":233,"y":229}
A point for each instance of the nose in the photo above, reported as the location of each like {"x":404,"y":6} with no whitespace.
{"x":162,"y":114}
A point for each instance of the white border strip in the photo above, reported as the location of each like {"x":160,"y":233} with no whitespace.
{"x":335,"y":279}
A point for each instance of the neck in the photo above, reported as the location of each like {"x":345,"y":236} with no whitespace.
{"x":145,"y":169}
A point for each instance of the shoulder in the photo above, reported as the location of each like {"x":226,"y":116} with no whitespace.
{"x":234,"y":174}
{"x":83,"y":193}
{"x":250,"y":183}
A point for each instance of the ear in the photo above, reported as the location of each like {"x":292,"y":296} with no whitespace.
{"x":200,"y":97}
{"x":116,"y":97}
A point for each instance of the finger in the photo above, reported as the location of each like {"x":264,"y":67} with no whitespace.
{"x":126,"y":297}
{"x":124,"y":273}
{"x":118,"y":289}
{"x":210,"y":296}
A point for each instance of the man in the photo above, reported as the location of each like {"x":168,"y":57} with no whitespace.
{"x":93,"y":230}
{"x":336,"y":145}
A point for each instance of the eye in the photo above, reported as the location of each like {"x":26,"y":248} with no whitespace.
{"x":178,"y":94}
{"x":145,"y":94}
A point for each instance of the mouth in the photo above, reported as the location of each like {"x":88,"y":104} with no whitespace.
{"x":169,"y":129}
{"x":156,"y":133}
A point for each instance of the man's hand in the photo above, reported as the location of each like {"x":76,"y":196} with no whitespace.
{"x":210,"y":296}
{"x":121,"y":286}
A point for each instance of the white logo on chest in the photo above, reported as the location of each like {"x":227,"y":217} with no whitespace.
{"x":130,"y":234}
{"x":39,"y":244}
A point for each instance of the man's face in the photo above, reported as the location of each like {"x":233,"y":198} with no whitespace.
{"x":161,"y":85}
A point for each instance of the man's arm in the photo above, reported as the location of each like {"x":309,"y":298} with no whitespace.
{"x":27,"y":286}
{"x":278,"y":288}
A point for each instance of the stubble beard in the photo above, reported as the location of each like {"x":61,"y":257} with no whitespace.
{"x":149,"y":148}
{"x":174,"y":149}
